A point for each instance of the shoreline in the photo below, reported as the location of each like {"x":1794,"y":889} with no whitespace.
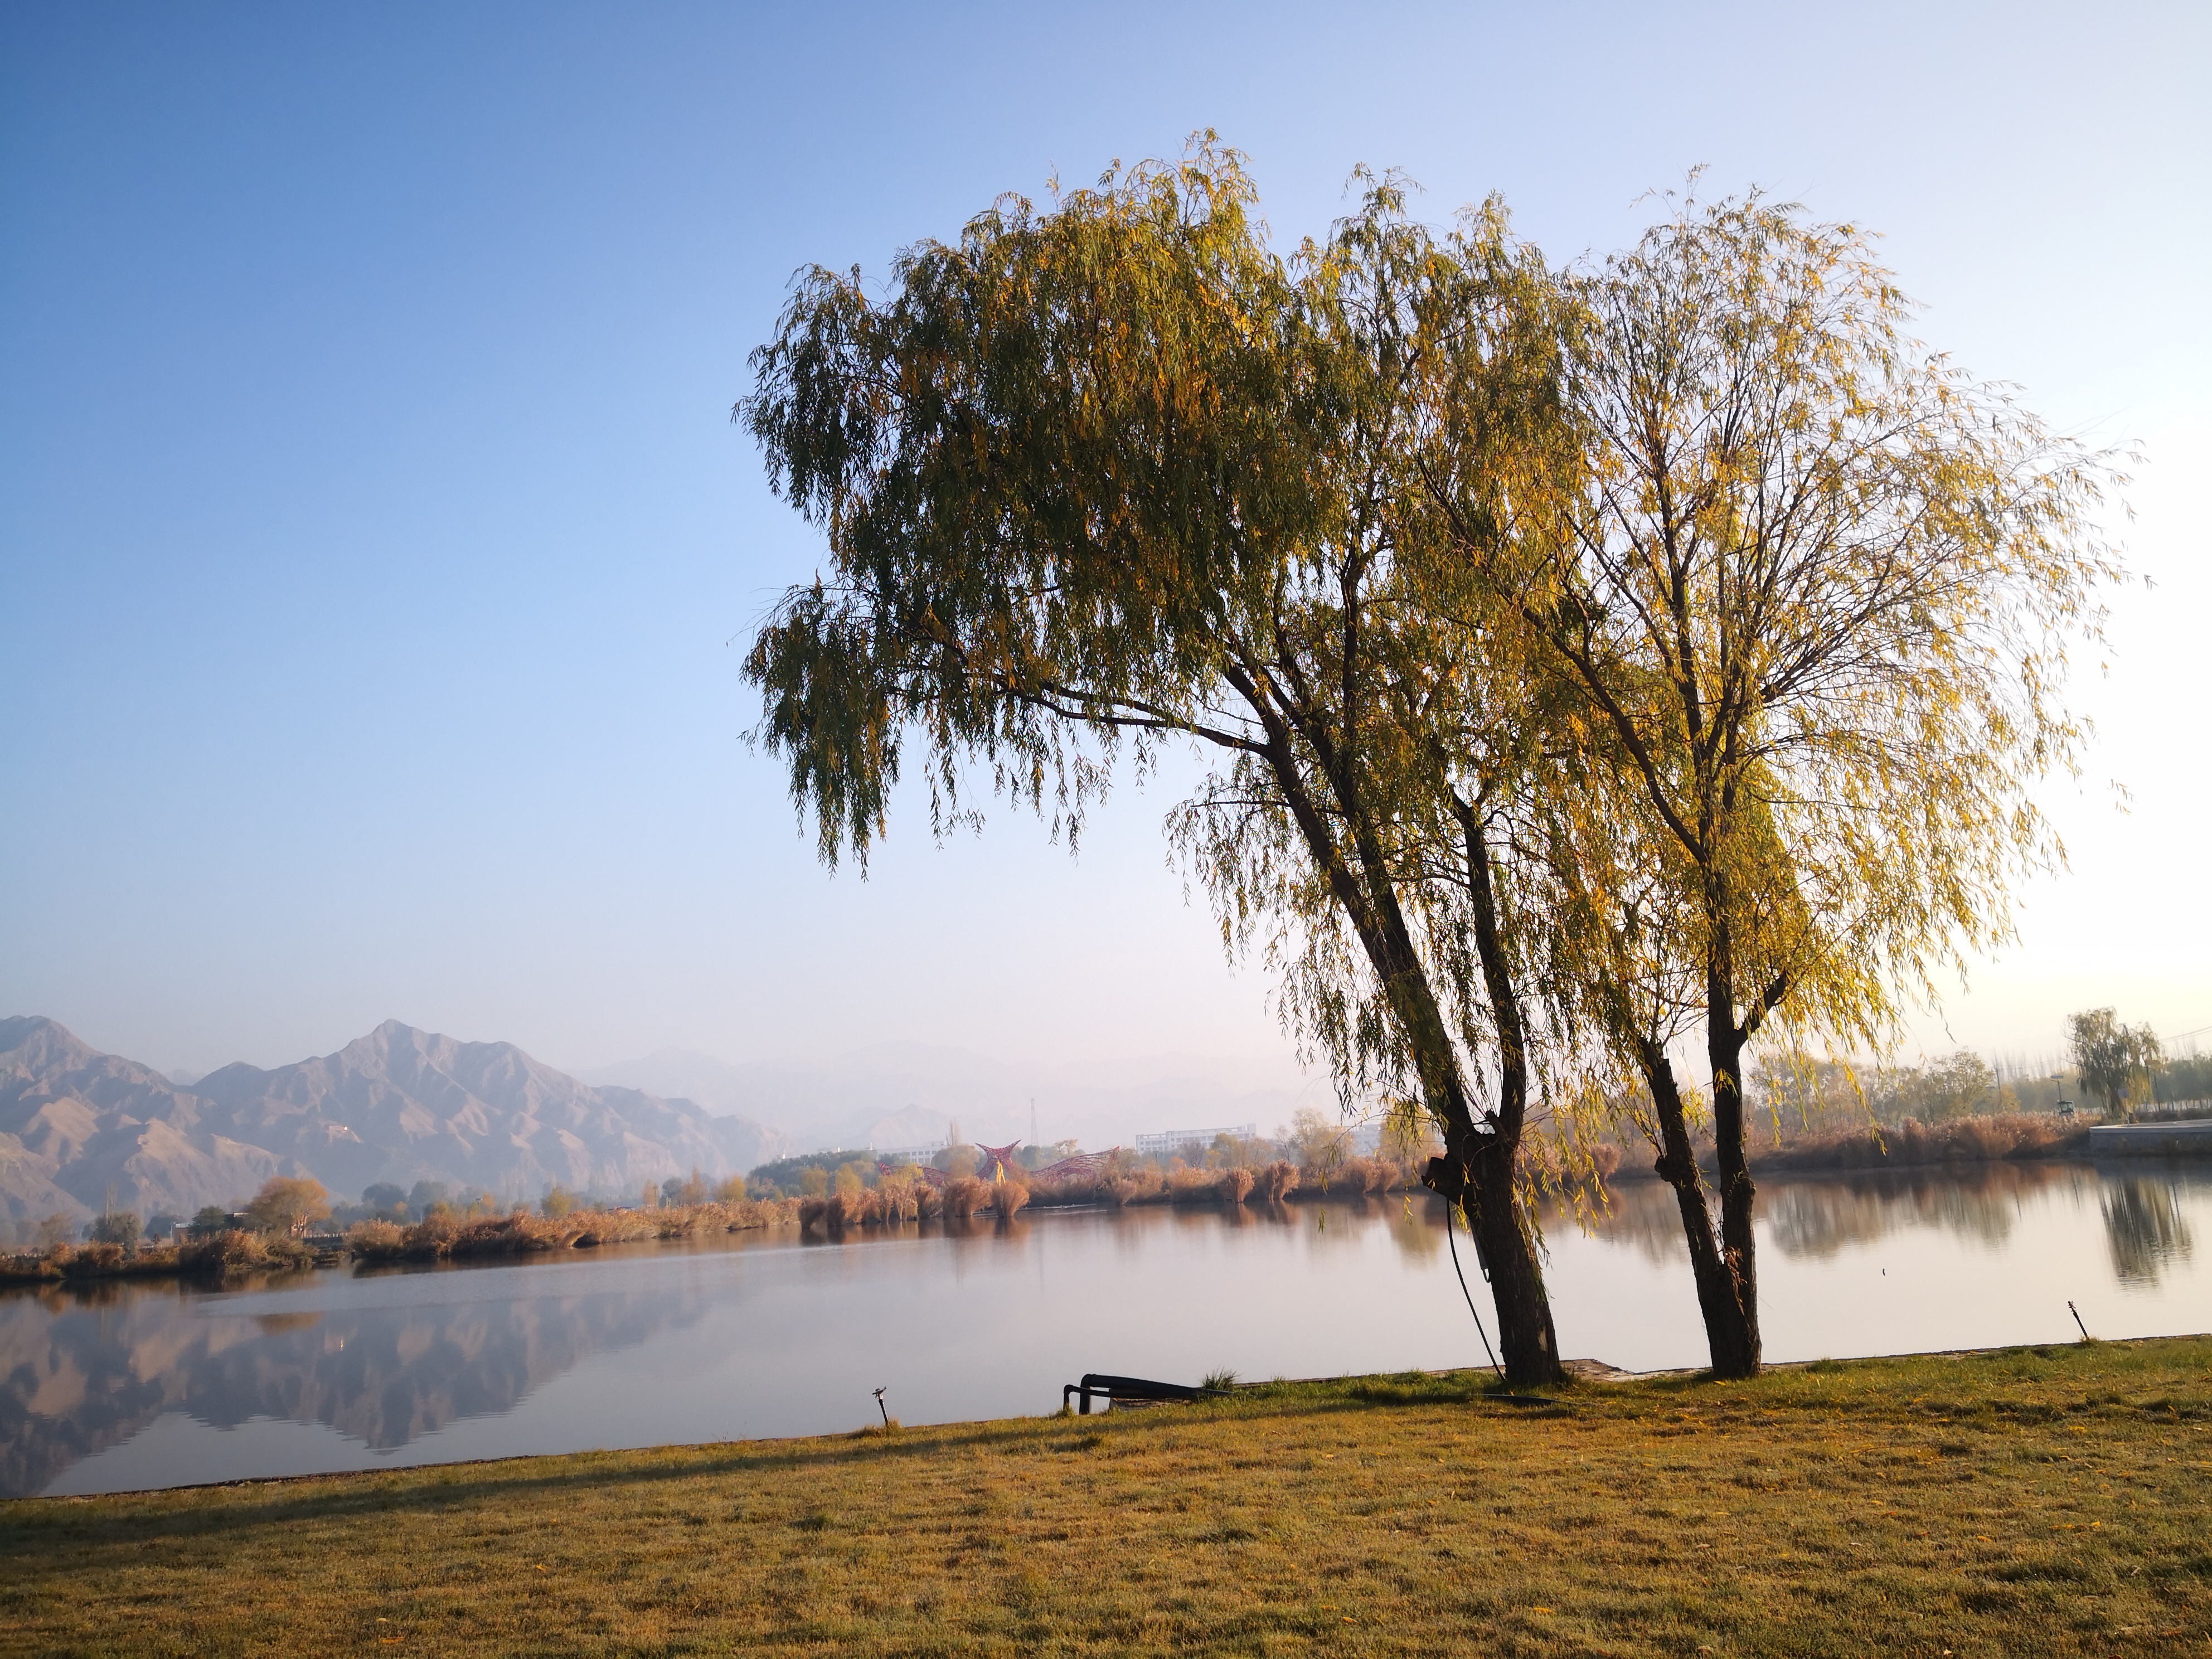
{"x":234,"y":1257}
{"x":1582,"y":1373}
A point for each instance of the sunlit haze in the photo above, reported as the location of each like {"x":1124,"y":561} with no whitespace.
{"x":379,"y":553}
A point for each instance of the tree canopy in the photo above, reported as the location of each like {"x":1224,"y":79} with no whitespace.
{"x":288,"y":1204}
{"x":1800,"y":595}
{"x":1595,"y":662}
{"x":1117,"y":474}
{"x":2117,"y":1061}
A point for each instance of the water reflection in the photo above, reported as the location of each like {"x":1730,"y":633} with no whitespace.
{"x":81,"y":1372}
{"x":1982,"y":1203}
{"x":1817,"y":1219}
{"x":2145,"y":1228}
{"x":778,"y":1335}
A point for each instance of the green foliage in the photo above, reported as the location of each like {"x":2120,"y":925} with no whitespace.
{"x":694,"y":1188}
{"x":2187,"y":1078}
{"x":2119,"y":1062}
{"x":119,"y":1227}
{"x":790,"y":1175}
{"x":208,"y":1220}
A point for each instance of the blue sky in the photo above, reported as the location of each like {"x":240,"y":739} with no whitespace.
{"x":374,"y":537}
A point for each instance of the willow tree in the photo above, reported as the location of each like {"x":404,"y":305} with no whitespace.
{"x":2119,"y":1061}
{"x":1114,"y":476}
{"x":1808,"y":592}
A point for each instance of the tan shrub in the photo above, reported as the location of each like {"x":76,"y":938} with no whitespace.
{"x":964,"y":1195}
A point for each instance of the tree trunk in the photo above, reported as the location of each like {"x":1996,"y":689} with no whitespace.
{"x":1477,"y":1173}
{"x":1724,"y":1044}
{"x":1731,"y":1318}
{"x":1492,"y":1197}
{"x":1483,"y":1178}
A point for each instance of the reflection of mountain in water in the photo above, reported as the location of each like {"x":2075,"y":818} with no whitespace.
{"x":2144,"y":1228}
{"x":80,"y":1374}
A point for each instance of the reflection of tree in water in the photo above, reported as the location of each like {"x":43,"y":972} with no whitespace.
{"x":1641,"y":1214}
{"x":78,"y":1375}
{"x":1413,"y":1226}
{"x":1817,"y":1218}
{"x":2144,"y":1228}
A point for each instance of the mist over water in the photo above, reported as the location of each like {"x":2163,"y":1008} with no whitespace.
{"x":120,"y":1386}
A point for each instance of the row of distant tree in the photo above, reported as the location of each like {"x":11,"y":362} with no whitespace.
{"x":2109,"y":1067}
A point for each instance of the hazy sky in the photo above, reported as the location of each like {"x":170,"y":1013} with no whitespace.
{"x":374,"y":539}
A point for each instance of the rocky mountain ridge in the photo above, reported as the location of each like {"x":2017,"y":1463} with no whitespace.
{"x":80,"y":1129}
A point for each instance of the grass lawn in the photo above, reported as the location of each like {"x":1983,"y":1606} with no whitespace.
{"x":2051,"y":1500}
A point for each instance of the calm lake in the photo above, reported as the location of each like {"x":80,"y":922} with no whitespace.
{"x":127,"y":1386}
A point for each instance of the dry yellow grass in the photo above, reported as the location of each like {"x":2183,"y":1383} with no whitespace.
{"x":2044,"y":1501}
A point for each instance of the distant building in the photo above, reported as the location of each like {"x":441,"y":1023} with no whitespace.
{"x":898,"y":1156}
{"x":1174,"y":1140}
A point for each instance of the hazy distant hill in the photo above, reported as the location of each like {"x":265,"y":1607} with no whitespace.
{"x":397,"y":1105}
{"x":855,"y":1104}
{"x":405,"y":1105}
{"x":870,"y":1094}
{"x":76,"y":1125}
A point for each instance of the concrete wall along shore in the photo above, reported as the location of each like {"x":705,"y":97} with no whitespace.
{"x":2192,"y":1139}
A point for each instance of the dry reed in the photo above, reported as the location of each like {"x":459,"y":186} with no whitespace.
{"x":964,"y":1195}
{"x":439,"y":1237}
{"x":222,"y":1257}
{"x":1911,"y":1143}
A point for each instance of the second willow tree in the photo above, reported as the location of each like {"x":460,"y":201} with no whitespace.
{"x":1802,"y":594}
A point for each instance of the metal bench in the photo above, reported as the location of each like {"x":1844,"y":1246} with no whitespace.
{"x":1131,"y":1388}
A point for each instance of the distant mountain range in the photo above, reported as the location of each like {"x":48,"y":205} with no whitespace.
{"x":80,"y":1129}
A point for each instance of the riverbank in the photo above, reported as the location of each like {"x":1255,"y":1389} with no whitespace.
{"x":224,"y":1256}
{"x":440,"y":1238}
{"x":444,"y":1237}
{"x":2047,"y":1500}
